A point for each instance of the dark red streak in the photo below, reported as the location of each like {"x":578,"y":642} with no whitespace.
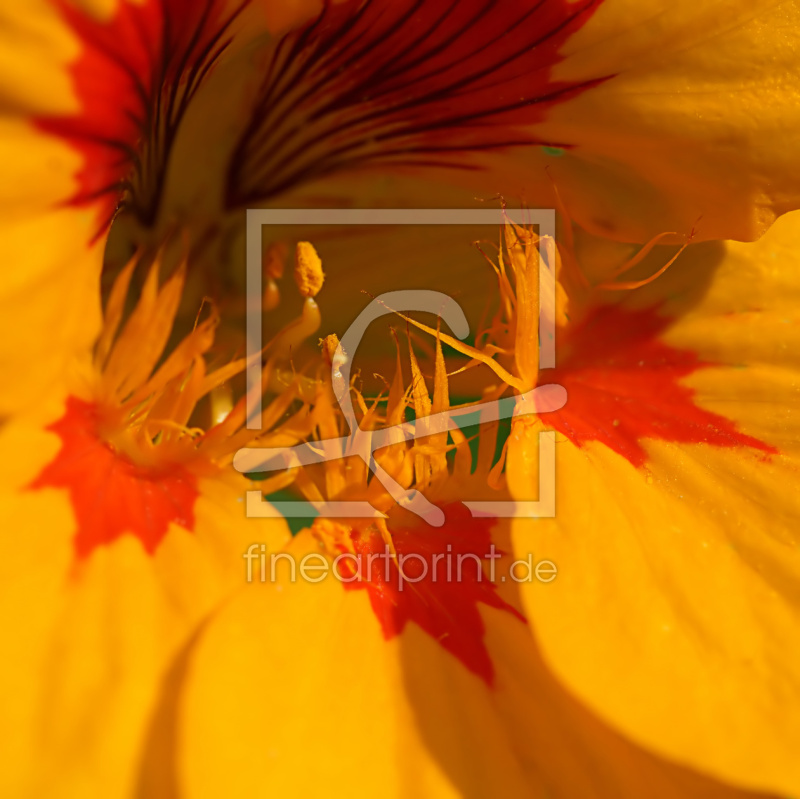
{"x":373,"y":82}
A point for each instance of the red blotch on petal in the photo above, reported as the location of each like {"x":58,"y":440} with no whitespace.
{"x":623,"y":386}
{"x":113,"y":80}
{"x":443,"y":586}
{"x":111,"y":496}
{"x":410,"y":82}
{"x":128,"y":64}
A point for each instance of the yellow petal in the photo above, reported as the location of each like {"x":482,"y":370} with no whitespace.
{"x":94,"y":636}
{"x":648,"y":116}
{"x":52,"y":268}
{"x":79,"y":88}
{"x":294,"y":690}
{"x":676,"y":611}
{"x":695,"y":126}
{"x":49,"y":301}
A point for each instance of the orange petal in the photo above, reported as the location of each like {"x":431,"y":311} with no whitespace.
{"x":676,"y":612}
{"x":95,"y":633}
{"x":694,"y":127}
{"x":294,"y":688}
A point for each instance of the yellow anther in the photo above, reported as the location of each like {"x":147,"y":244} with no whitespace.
{"x":308,"y":270}
{"x":330,"y":347}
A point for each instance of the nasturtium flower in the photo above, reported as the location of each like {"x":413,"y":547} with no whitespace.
{"x":385,"y":655}
{"x":122,"y":121}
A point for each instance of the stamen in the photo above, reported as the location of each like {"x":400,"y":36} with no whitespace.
{"x":275,"y":260}
{"x":144,"y":408}
{"x":567,"y":252}
{"x":334,"y":355}
{"x":274,"y":263}
{"x":132,"y":430}
{"x":636,"y":284}
{"x":221,"y":403}
{"x":514,"y":331}
{"x":575,"y":273}
{"x":466,"y":349}
{"x":422,"y":408}
{"x":523,"y":251}
{"x":420,"y":464}
{"x":308,"y":270}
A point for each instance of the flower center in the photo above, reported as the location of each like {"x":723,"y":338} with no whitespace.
{"x":435,"y":577}
{"x":128,"y":458}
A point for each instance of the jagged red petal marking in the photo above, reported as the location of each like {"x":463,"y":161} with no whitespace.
{"x":415,"y":82}
{"x":624,"y":387}
{"x":145,"y":53}
{"x":111,"y":496}
{"x":444,"y":605}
